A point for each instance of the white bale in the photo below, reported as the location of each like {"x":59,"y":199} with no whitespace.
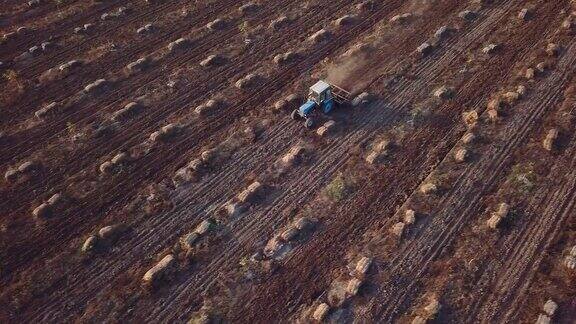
{"x":503,"y":209}
{"x":442,"y":32}
{"x":401,"y":18}
{"x":211,"y":60}
{"x":361,"y":99}
{"x":159,"y":269}
{"x":345,"y":20}
{"x":120,"y":158}
{"x":178,"y":44}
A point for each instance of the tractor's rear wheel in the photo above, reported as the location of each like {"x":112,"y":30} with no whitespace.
{"x":308,"y":123}
{"x":294,"y":115}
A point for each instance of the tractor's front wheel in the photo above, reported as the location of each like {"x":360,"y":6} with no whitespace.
{"x":294,"y":115}
{"x":308,"y":123}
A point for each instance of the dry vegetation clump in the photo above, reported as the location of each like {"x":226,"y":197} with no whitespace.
{"x":338,"y":189}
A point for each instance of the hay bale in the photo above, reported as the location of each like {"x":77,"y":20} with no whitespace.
{"x":321,"y":312}
{"x":95,"y":86}
{"x":326,"y":128}
{"x":216,"y":24}
{"x":543,"y":319}
{"x":232,"y":209}
{"x":552,"y":49}
{"x":209,"y":155}
{"x":171,"y":129}
{"x":120,"y":158}
{"x":182,"y":176}
{"x":249,"y":193}
{"x":353,"y":286}
{"x":409,"y":217}
{"x":289,"y":234}
{"x":530,"y":74}
{"x":550,"y":139}
{"x":196,"y":164}
{"x":510,"y":97}
{"x":493,"y":221}
{"x":400,"y":19}
{"x":398,"y":229}
{"x":55,"y":199}
{"x":320,"y":36}
{"x":178,"y":44}
{"x":432,"y":308}
{"x":106,"y":167}
{"x":424,"y":49}
{"x":145,"y":29}
{"x":365,"y":5}
{"x":570,"y":262}
{"x":285,"y":58}
{"x":345,"y":20}
{"x":273,"y":246}
{"x":292,"y":155}
{"x":66,"y":67}
{"x":159,"y":270}
{"x":28,"y":166}
{"x":572,"y":251}
{"x":303,"y":223}
{"x":211,"y":60}
{"x":361,"y":99}
{"x":50,"y":109}
{"x":490,"y":48}
{"x":468,"y":15}
{"x":492,"y":115}
{"x":89,"y":244}
{"x":42,"y":211}
{"x":187,"y":241}
{"x":248,"y":8}
{"x":110,"y":233}
{"x":203,"y":227}
{"x":470,"y":118}
{"x":550,"y":307}
{"x":428,"y":188}
{"x":208,"y":107}
{"x":442,"y":32}
{"x":542,"y":67}
{"x":418,"y":320}
{"x":279,"y":22}
{"x":525,"y":14}
{"x":11,"y":175}
{"x":362,"y":266}
{"x":460,"y":155}
{"x":247,"y":81}
{"x":468,"y":138}
{"x":521,"y":90}
{"x":444,"y":92}
{"x":138,"y":65}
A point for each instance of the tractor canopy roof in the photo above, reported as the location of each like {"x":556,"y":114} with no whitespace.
{"x":320,"y":87}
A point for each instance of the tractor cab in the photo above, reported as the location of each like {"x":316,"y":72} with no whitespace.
{"x":321,"y":95}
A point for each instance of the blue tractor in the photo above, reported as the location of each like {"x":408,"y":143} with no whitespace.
{"x":322,"y":95}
